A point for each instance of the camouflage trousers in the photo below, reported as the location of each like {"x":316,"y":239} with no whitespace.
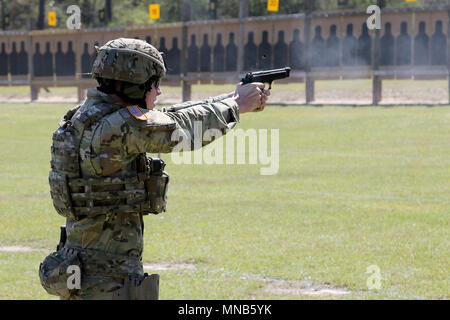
{"x":102,"y":276}
{"x":132,"y":287}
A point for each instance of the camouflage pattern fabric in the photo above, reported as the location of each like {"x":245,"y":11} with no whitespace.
{"x":130,"y":60}
{"x":109,"y":147}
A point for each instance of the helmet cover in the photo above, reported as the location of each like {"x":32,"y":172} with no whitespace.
{"x":129,"y":60}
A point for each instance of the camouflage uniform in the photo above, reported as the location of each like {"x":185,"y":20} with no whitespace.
{"x":108,"y":246}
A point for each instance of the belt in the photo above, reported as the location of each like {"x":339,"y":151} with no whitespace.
{"x":103,"y":263}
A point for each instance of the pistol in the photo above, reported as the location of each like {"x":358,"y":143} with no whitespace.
{"x":266,"y":76}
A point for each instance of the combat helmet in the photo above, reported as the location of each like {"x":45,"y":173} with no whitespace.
{"x":136,"y":63}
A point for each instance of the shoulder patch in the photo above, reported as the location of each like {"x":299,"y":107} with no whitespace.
{"x":137,"y":113}
{"x":158,"y":121}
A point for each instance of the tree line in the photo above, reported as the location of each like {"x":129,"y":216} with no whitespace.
{"x":32,"y":14}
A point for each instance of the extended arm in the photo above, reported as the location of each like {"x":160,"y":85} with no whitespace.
{"x":160,"y":131}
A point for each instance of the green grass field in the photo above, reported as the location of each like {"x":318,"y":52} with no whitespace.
{"x":356,"y":187}
{"x":418,"y":89}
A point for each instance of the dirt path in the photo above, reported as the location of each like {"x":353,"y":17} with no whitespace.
{"x":330,"y":96}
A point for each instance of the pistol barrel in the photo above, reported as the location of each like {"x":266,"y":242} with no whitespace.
{"x":266,"y":76}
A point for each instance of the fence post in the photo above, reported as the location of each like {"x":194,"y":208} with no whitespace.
{"x":376,"y":79}
{"x":34,"y":91}
{"x":185,"y":85}
{"x":377,"y":82}
{"x":243,"y":13}
{"x":309,"y":81}
{"x":78,"y":75}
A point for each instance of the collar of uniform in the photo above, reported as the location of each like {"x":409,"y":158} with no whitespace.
{"x":99,"y":96}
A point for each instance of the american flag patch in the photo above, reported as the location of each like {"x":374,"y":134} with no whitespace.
{"x":137,"y":113}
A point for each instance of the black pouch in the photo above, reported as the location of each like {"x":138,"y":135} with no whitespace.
{"x":53,"y":272}
{"x":156,"y":185}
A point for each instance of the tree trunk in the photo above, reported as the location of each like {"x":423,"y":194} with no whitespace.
{"x":108,"y":9}
{"x":41,"y":16}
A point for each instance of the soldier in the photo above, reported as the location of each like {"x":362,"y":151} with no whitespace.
{"x":103,"y":182}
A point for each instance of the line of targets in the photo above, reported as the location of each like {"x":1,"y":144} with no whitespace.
{"x":17,"y":60}
{"x":332,"y":51}
{"x":45,"y":62}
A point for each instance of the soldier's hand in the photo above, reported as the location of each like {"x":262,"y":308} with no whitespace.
{"x":251,"y":97}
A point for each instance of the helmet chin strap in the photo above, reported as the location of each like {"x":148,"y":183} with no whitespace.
{"x":138,"y":101}
{"x":145,"y":87}
{"x":108,"y":86}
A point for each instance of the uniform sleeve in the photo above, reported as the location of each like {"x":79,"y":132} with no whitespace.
{"x":163,"y":130}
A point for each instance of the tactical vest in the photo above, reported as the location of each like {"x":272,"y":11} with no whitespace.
{"x":143,"y":191}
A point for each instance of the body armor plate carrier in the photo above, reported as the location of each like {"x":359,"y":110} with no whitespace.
{"x":143,"y":191}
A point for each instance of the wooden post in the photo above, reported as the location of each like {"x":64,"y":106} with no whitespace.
{"x":81,"y":93}
{"x":187,"y":90}
{"x":78,"y":76}
{"x":309,"y":81}
{"x":243,"y":13}
{"x":377,"y":82}
{"x":376,"y":79}
{"x":185,"y":85}
{"x":34,"y":91}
